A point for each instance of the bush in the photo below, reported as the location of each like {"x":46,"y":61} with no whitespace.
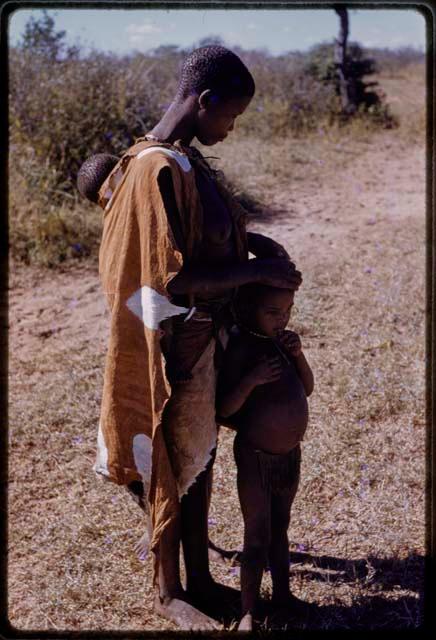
{"x":67,"y":110}
{"x":65,"y":106}
{"x":47,"y":225}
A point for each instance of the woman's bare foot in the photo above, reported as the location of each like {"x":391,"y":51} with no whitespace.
{"x":209,"y":591}
{"x":246,"y":623}
{"x":184,"y":615}
{"x":215,"y":599}
{"x":142,"y":546}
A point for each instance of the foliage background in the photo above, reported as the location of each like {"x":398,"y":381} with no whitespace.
{"x":65,"y":106}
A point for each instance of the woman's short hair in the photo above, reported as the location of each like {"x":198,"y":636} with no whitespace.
{"x":216,"y":68}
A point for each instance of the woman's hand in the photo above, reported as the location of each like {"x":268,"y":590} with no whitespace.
{"x":278,"y":272}
{"x":263,"y":247}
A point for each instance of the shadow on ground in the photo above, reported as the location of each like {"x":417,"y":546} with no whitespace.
{"x":379,"y":607}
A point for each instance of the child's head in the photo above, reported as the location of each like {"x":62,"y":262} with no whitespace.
{"x":93,"y":173}
{"x":222,"y":86}
{"x":264,"y":309}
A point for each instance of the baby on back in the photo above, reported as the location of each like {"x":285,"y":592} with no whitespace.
{"x":93,"y":173}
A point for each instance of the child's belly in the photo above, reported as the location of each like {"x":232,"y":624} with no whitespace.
{"x":275,"y":416}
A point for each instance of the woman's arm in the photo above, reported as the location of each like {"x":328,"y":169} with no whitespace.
{"x":277,"y":272}
{"x":264,"y":247}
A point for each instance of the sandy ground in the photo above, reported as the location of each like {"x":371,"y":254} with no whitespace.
{"x":354,"y":221}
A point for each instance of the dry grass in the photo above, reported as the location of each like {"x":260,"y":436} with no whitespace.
{"x":48,"y":226}
{"x":349,"y":206}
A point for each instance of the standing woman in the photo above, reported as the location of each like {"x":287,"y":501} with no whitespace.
{"x":173,"y":252}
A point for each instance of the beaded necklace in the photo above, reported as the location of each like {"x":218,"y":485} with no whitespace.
{"x":274,"y":342}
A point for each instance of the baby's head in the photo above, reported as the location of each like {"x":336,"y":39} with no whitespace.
{"x":93,"y":173}
{"x":264,"y":309}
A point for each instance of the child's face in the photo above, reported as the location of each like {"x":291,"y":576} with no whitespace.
{"x":272,"y":313}
{"x":216,"y":117}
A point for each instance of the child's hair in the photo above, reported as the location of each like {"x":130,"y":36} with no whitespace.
{"x":93,"y":173}
{"x":248,"y":297}
{"x":218,"y":69}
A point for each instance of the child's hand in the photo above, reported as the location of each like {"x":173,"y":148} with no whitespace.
{"x":291,"y":342}
{"x":267,"y":370}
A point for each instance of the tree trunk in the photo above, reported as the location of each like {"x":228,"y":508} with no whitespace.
{"x":346,"y":84}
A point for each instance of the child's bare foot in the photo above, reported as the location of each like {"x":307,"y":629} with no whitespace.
{"x":246,"y":623}
{"x":184,"y":615}
{"x":289,"y":601}
{"x":142,"y":546}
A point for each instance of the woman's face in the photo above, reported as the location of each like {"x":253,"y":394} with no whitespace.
{"x":216,"y":117}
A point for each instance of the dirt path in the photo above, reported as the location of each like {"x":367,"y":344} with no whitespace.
{"x":357,"y":234}
{"x":378,"y":190}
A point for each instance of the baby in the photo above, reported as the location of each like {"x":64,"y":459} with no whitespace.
{"x":262,"y":390}
{"x":93,"y":173}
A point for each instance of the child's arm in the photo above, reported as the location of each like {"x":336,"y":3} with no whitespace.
{"x":234,"y":387}
{"x":292,"y":343}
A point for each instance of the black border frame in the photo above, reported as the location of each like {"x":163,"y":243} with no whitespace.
{"x":428,"y":10}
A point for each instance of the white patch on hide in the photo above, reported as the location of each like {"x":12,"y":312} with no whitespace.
{"x":150,"y":307}
{"x":100,"y":465}
{"x":181,"y":160}
{"x":142,"y":455}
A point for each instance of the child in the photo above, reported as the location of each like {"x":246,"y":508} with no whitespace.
{"x":262,"y":392}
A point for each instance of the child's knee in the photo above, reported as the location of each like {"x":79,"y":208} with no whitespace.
{"x":257,"y":538}
{"x":280,"y":518}
{"x":255,"y":552}
{"x":279,"y":525}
